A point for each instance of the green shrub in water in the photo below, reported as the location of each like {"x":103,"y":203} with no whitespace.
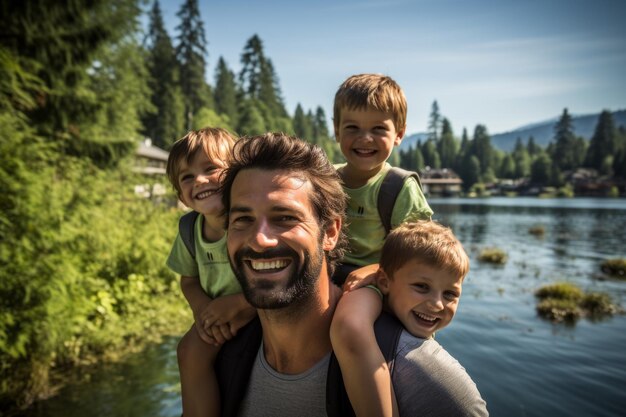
{"x":598,"y":304}
{"x":493,"y":255}
{"x":559,"y":309}
{"x":615,"y":267}
{"x":567,"y":302}
{"x":560,"y":291}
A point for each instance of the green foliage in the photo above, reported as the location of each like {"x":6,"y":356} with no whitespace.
{"x":537,"y":230}
{"x":603,"y":143}
{"x":82,"y":262}
{"x":559,"y":310}
{"x":560,"y":291}
{"x":563,"y":154}
{"x":493,"y":255}
{"x":225,"y":94}
{"x":208,"y":117}
{"x":191,"y":52}
{"x":564,"y":301}
{"x":614,"y":267}
{"x":167,"y":122}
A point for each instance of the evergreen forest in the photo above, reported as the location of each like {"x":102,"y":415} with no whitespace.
{"x":82,"y":257}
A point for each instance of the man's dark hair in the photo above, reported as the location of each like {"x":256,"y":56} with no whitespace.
{"x":277,"y":151}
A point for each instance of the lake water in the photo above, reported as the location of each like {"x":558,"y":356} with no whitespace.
{"x":522,"y":364}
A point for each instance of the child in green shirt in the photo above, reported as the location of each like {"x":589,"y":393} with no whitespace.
{"x":369,"y":118}
{"x":207,"y":281}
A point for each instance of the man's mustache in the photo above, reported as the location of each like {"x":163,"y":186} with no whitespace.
{"x":276,"y":252}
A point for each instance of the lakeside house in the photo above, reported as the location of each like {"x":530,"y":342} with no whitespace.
{"x":150,"y":161}
{"x":440,"y":182}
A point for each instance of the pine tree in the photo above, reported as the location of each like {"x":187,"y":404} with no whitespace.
{"x":259,"y":81}
{"x":507,"y":168}
{"x":482,"y":149}
{"x":250,"y":120}
{"x":564,"y":143}
{"x":431,"y":156}
{"x":320,"y":127}
{"x":447,"y":145}
{"x":540,"y":169}
{"x":603,"y":142}
{"x":532,"y":147}
{"x":434,"y":122}
{"x":226,"y":92}
{"x":168,"y":121}
{"x":301,"y":124}
{"x":191,"y":51}
{"x":63,"y":39}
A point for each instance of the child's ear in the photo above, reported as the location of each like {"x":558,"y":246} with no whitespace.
{"x":399,"y":136}
{"x":382,"y":281}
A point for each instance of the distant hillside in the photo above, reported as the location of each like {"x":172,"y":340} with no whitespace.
{"x":543,"y":132}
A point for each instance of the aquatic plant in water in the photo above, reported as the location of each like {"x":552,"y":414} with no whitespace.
{"x":493,"y":255}
{"x":564,"y":301}
{"x":538,"y":230}
{"x":615,"y":267}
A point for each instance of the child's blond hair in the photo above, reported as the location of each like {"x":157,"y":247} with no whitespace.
{"x":216,"y":142}
{"x":371,"y":91}
{"x":428,"y":242}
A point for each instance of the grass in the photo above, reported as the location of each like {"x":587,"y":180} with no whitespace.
{"x":538,"y":230}
{"x":615,"y":267}
{"x":493,"y":255}
{"x":565,"y":302}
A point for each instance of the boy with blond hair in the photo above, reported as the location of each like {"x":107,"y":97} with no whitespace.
{"x":422,"y":268}
{"x":194,"y":166}
{"x":369,"y":117}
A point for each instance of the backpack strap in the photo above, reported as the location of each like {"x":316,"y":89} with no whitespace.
{"x":234,"y":364}
{"x":388,"y":193}
{"x":186,"y":226}
{"x":388,"y":330}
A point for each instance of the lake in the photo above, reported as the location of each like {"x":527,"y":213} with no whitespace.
{"x":523,"y":365}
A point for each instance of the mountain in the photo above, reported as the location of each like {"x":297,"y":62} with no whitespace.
{"x":543,"y":132}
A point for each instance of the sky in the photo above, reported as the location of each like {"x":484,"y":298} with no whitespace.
{"x":500,"y":63}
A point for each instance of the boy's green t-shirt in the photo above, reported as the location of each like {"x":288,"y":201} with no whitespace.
{"x":211,"y":264}
{"x":365,"y":231}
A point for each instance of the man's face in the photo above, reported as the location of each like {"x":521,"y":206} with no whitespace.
{"x":275,"y":244}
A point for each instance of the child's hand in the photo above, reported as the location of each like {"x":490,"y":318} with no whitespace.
{"x":361,"y":277}
{"x":198,"y":316}
{"x":226,"y":315}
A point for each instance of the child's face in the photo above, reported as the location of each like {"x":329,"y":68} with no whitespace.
{"x":366,"y":138}
{"x":198,"y":183}
{"x":423,"y":298}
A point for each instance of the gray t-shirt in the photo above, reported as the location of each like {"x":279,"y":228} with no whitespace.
{"x":426,"y":379}
{"x":275,"y":394}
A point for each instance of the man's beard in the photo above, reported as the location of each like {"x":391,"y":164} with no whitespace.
{"x":273,"y":294}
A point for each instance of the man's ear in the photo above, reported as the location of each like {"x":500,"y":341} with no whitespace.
{"x":331,"y":234}
{"x":382,"y":281}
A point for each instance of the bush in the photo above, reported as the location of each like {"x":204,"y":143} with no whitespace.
{"x":82,"y":264}
{"x":614,"y":267}
{"x":567,"y":302}
{"x":559,"y":310}
{"x":493,"y":255}
{"x":560,"y":291}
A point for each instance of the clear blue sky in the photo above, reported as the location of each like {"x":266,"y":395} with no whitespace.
{"x":502,"y":63}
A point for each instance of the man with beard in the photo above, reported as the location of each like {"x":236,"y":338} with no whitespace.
{"x":285,"y":208}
